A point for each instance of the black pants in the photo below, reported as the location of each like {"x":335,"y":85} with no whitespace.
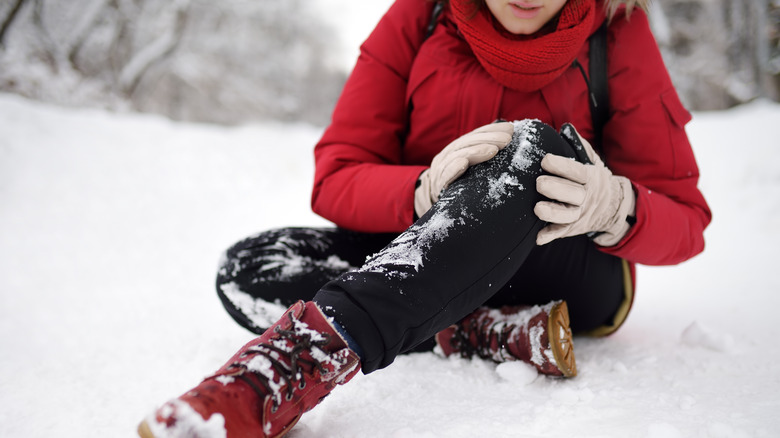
{"x":476,"y":246}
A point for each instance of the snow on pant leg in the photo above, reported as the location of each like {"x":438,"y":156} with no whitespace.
{"x":262,"y":275}
{"x":460,"y":253}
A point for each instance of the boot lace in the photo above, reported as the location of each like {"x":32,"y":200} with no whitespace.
{"x":279,"y":358}
{"x":476,"y":338}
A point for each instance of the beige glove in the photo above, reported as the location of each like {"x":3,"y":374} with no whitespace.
{"x":585,"y":198}
{"x":448,"y":165}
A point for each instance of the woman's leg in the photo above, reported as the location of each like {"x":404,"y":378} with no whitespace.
{"x":262,"y":275}
{"x":529,"y":318}
{"x":459,"y":254}
{"x":574,"y":270}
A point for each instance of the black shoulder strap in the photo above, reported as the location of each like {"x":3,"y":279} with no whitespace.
{"x":599,"y":89}
{"x":438,"y":7}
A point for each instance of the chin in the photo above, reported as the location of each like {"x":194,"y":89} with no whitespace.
{"x":522,"y":30}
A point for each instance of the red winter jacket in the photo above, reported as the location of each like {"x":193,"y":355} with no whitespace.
{"x":406,"y":100}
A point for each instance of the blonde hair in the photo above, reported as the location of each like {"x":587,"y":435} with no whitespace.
{"x":613,"y":5}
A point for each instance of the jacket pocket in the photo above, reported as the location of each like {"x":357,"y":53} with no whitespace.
{"x":684,"y":160}
{"x":677,"y":112}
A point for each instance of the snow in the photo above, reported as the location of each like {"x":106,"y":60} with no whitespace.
{"x":112,"y":227}
{"x":517,"y":373}
{"x":261,"y":313}
{"x":188,"y":422}
{"x":697,"y":336}
{"x":407,"y":251}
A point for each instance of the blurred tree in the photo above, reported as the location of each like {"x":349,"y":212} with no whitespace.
{"x":720,"y":52}
{"x":228,"y":62}
{"x":8,"y":11}
{"x":235,"y":61}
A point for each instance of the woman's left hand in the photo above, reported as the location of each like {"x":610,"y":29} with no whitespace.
{"x":584,"y":198}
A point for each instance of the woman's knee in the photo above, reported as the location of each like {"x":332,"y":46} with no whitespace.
{"x":236,"y":258}
{"x":285,"y":263}
{"x":259,"y":258}
{"x":521,"y":158}
{"x":535,"y":139}
{"x":515,"y":168}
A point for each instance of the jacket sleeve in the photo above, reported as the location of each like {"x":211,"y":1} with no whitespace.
{"x":360,"y":182}
{"x":645,"y":140}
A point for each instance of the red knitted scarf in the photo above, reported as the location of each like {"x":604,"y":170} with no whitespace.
{"x":525,"y":63}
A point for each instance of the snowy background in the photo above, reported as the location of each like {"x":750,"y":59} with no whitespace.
{"x":111,"y":226}
{"x":237,"y":61}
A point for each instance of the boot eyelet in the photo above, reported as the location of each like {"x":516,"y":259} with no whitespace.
{"x":274,"y":408}
{"x":302,"y":384}
{"x":288,"y":396}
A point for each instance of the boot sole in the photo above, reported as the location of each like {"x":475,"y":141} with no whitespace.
{"x":560,"y":336}
{"x":144,"y":431}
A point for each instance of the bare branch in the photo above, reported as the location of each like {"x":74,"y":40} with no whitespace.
{"x":83,"y":28}
{"x":154,"y":52}
{"x":6,"y":24}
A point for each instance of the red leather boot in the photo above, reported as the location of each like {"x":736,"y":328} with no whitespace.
{"x":266,"y":386}
{"x":538,"y":335}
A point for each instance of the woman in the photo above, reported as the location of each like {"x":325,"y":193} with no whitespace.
{"x":511,"y":234}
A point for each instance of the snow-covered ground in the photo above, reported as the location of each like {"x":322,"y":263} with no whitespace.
{"x":111,"y":227}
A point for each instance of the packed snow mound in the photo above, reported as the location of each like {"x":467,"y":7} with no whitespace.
{"x":697,"y":336}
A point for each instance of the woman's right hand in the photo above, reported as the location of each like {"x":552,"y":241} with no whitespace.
{"x":448,"y":165}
